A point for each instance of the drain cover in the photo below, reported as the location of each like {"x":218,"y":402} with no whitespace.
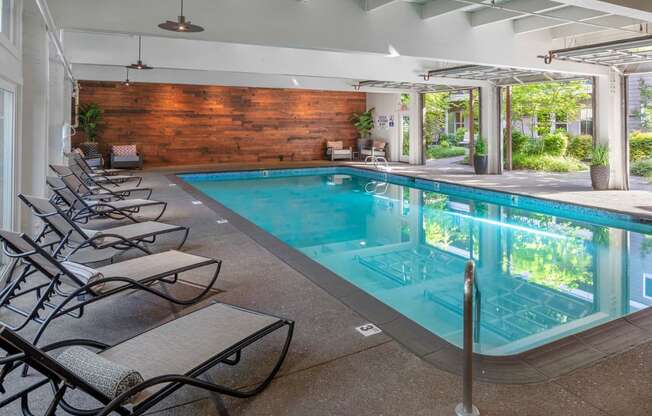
{"x":368,"y":330}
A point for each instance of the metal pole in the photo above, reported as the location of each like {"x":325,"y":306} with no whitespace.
{"x":466,"y":408}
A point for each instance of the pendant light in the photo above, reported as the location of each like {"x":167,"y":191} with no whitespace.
{"x":126,"y":83}
{"x":181,"y":25}
{"x":139,"y":65}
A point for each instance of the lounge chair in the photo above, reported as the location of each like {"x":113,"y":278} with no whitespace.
{"x":100,"y":205}
{"x":131,"y":377}
{"x":373,"y":148}
{"x":83,"y":163}
{"x":68,"y":281}
{"x":78,"y":185}
{"x":100,"y":179}
{"x":74,"y":238}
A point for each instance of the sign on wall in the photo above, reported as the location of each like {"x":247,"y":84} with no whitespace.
{"x":383,"y":122}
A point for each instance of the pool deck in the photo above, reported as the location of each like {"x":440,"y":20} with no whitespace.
{"x":331,"y":369}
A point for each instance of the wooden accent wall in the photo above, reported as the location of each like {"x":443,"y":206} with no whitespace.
{"x":194,"y":124}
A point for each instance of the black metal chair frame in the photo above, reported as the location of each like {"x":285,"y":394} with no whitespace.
{"x":84,"y":294}
{"x":101,"y":179}
{"x":82,"y":188}
{"x":61,"y":379}
{"x":81,"y":210}
{"x":122,"y":244}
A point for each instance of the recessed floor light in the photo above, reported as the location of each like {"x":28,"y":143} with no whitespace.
{"x":197,"y":202}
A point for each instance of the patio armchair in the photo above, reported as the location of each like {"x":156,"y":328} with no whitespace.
{"x":84,"y":208}
{"x":336,"y":150}
{"x":129,"y":378}
{"x":67,"y":288}
{"x":126,"y":157}
{"x":374,"y":148}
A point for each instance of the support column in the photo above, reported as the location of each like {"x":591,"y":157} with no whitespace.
{"x":508,"y":128}
{"x":416,"y":129}
{"x":33,"y":158}
{"x":490,"y":126}
{"x":471,"y":123}
{"x":609,"y":120}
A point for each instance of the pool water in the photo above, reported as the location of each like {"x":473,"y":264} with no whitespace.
{"x":542,"y":274}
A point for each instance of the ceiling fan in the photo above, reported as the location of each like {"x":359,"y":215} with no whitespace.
{"x":181,"y":25}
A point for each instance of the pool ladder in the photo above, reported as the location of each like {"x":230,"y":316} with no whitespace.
{"x":377,"y":160}
{"x":471,"y":314}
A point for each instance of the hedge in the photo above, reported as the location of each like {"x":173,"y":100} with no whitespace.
{"x":640,"y":146}
{"x":580,"y":147}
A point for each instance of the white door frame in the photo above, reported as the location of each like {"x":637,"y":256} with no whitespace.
{"x":401,"y":156}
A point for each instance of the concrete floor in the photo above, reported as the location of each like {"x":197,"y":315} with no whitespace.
{"x":331,"y":369}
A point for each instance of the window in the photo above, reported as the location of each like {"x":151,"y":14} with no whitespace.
{"x":561,"y":122}
{"x":586,"y":121}
{"x":5,"y":18}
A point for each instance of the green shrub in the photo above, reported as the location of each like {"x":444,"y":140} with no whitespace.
{"x":533,"y":147}
{"x":440,"y":152}
{"x":548,"y":163}
{"x":519,"y":141}
{"x":642,"y":168}
{"x":444,"y":143}
{"x":555,"y":144}
{"x":640,"y":146}
{"x":449,"y":138}
{"x":580,"y":147}
{"x":480,"y":147}
{"x":459,"y":134}
{"x":600,"y":155}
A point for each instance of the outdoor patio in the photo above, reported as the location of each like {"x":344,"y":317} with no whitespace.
{"x":332,"y":369}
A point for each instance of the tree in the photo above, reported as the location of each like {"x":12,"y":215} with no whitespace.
{"x":540,"y":101}
{"x":436,"y":105}
{"x":645,"y":112}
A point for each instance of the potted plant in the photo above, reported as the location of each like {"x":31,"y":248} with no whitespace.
{"x":364,"y":123}
{"x":600,"y":167}
{"x":90,"y":117}
{"x":480,"y":158}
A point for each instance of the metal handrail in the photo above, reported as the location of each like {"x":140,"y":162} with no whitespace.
{"x":466,"y":408}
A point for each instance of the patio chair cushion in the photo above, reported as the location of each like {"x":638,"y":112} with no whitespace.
{"x":125,"y":150}
{"x":379,"y":144}
{"x":184,"y":344}
{"x":335,"y":145}
{"x":106,"y":376}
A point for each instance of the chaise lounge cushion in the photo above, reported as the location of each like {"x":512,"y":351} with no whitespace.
{"x":106,"y":376}
{"x":186,"y":343}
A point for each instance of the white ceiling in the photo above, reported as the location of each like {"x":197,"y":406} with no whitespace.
{"x":345,"y":39}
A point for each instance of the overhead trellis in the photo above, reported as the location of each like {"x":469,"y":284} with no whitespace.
{"x":630,"y":56}
{"x":409,"y":86}
{"x":499,"y":75}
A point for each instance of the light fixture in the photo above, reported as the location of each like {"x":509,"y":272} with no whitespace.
{"x":139,"y":65}
{"x":181,"y":25}
{"x":126,"y":83}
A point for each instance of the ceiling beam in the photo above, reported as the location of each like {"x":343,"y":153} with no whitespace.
{"x":637,"y":9}
{"x":437,"y":8}
{"x":489,"y":15}
{"x":371,"y":5}
{"x":534,"y":23}
{"x":580,"y":29}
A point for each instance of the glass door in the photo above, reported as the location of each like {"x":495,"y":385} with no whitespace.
{"x":405,"y":136}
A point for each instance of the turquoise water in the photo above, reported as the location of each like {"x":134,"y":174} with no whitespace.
{"x":541,"y":276}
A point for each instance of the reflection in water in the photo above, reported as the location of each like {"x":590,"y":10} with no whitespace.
{"x":540,"y":277}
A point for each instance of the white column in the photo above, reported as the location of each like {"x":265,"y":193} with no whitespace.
{"x":609,"y":126}
{"x":490,"y":126}
{"x":416,"y":119}
{"x":33,"y":159}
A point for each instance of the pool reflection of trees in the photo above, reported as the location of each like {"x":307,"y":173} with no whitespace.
{"x":560,"y":258}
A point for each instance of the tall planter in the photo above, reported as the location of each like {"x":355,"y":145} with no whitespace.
{"x":481,"y":164}
{"x":600,"y":177}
